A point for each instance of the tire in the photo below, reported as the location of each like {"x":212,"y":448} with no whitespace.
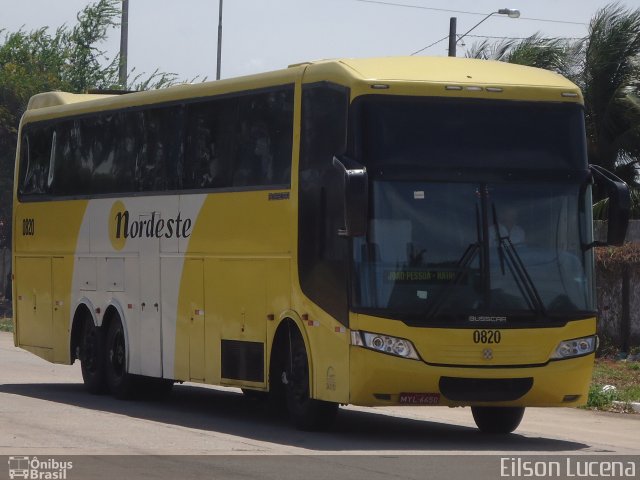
{"x":497,"y":420}
{"x":121,"y":384}
{"x":305,"y":412}
{"x":92,"y":358}
{"x":277,"y":396}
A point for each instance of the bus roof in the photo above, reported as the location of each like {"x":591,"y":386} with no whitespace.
{"x":450,"y":69}
{"x":412,"y":70}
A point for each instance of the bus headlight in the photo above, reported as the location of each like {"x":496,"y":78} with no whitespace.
{"x":575,"y":348}
{"x":399,"y":347}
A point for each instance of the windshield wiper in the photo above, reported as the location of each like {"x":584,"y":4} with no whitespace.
{"x":506,"y":249}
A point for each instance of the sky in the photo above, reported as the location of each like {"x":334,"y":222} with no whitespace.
{"x":180,"y":37}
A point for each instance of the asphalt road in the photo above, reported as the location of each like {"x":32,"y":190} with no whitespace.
{"x":45,"y":411}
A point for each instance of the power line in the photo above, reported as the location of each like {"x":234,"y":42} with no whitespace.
{"x":525,"y":38}
{"x":431,"y":45}
{"x":493,"y":38}
{"x":420,"y":7}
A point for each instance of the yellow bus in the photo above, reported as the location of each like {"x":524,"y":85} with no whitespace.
{"x":389,"y":231}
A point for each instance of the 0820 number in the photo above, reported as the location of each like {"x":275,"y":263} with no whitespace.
{"x":486,"y":336}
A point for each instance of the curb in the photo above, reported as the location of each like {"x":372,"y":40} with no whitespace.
{"x":634,"y":405}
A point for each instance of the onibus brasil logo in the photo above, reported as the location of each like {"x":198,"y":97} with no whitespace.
{"x":34,"y":468}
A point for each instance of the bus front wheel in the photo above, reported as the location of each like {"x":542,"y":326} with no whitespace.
{"x":120,"y":382}
{"x":305,"y":412}
{"x":92,"y":358}
{"x":497,"y":419}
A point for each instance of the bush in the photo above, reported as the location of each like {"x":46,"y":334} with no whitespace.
{"x":599,"y":399}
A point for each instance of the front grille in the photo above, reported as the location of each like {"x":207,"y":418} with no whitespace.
{"x":484,"y":389}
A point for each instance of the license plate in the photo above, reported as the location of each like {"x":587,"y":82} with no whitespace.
{"x":419,"y":398}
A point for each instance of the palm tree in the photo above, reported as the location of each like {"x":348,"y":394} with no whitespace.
{"x":534,"y":51}
{"x":606,"y":66}
{"x":609,"y":79}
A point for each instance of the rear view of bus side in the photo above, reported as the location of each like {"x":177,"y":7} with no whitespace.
{"x":374,"y":232}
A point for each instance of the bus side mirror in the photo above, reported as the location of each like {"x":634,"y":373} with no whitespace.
{"x":619,"y":200}
{"x":356,"y":196}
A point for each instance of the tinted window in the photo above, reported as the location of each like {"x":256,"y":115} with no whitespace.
{"x":35,"y":160}
{"x":243,"y":140}
{"x":323,"y":254}
{"x":463,"y":133}
{"x":160,"y":159}
{"x":210,"y":143}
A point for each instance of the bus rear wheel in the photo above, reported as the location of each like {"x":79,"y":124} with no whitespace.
{"x":498,"y":420}
{"x":305,"y":412}
{"x":121,"y":383}
{"x":92,"y":358}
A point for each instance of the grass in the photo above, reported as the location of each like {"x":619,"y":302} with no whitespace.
{"x":6,"y":324}
{"x":623,"y":375}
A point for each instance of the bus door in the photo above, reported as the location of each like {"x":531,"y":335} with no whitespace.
{"x":150,"y":304}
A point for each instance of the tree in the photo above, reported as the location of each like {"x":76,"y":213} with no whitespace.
{"x":609,"y":81}
{"x":534,"y":51}
{"x":606,"y":66}
{"x":68,"y":59}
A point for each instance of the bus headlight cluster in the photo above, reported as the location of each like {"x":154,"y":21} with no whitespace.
{"x":399,"y":347}
{"x":575,"y":348}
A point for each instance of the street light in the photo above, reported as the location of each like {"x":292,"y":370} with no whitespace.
{"x":510,"y":12}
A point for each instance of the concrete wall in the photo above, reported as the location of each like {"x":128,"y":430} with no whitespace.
{"x":618,"y":297}
{"x":633,"y":232}
{"x":618,"y":294}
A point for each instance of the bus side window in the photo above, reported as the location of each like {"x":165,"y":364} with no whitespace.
{"x":323,"y":255}
{"x":124,"y":152}
{"x":24,"y":162}
{"x":209,"y":144}
{"x":52,"y":160}
{"x":264,"y":139}
{"x":36,"y":163}
{"x":160,"y":168}
{"x":69,"y":177}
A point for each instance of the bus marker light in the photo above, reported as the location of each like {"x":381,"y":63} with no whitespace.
{"x":380,"y":86}
{"x":305,"y":316}
{"x":453,"y":87}
{"x":271,"y":317}
{"x":570,"y":94}
{"x":98,"y":311}
{"x":340,"y":330}
{"x":494,"y":89}
{"x":130,"y":306}
{"x":313,"y":323}
{"x":473,"y":89}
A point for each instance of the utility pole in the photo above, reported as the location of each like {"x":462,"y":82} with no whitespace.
{"x":452,"y":36}
{"x":219,"y":42}
{"x":124,"y":41}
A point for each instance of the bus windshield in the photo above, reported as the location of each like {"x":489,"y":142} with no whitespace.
{"x":449,"y":246}
{"x":479,"y":252}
